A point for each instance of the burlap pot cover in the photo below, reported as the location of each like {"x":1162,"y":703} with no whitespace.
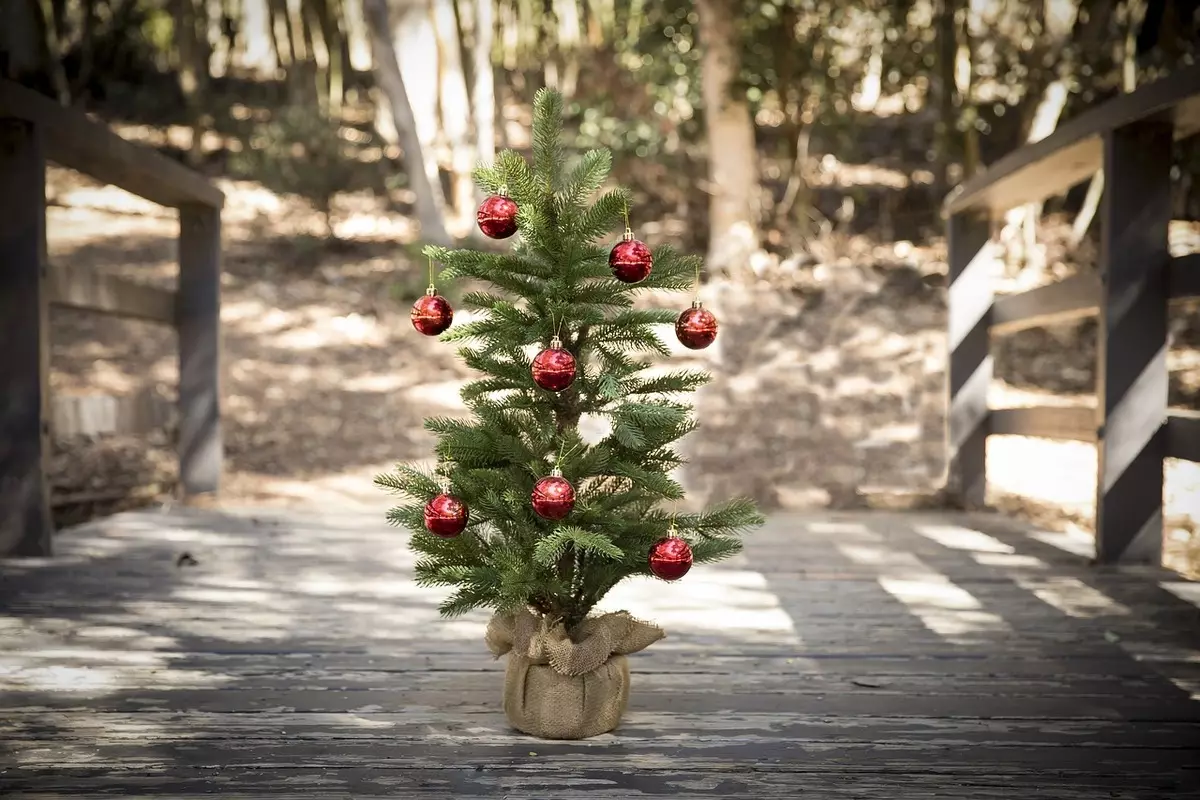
{"x":555,"y":688}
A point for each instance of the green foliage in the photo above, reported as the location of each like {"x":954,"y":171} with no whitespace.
{"x":556,"y":280}
{"x":300,"y":151}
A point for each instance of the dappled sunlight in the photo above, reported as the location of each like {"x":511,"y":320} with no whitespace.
{"x":740,"y":605}
{"x":959,"y":538}
{"x":942,"y":606}
{"x":1072,"y":596}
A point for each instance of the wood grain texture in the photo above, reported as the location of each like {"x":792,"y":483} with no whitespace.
{"x":25,"y":524}
{"x":73,"y":286}
{"x":840,"y":656}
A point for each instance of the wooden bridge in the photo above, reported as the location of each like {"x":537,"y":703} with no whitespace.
{"x":958,"y":654}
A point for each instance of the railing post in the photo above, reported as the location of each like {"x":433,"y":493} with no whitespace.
{"x":25,"y":522}
{"x":1131,"y":368}
{"x":198,"y":321}
{"x":969,"y":371}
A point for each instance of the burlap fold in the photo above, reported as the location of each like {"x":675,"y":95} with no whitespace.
{"x":556,"y":688}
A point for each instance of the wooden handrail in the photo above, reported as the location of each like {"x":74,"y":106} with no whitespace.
{"x":72,"y":140}
{"x":33,"y":131}
{"x":1074,"y":152}
{"x":1131,"y":139}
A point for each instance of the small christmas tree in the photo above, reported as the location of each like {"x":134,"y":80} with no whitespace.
{"x":521,"y":513}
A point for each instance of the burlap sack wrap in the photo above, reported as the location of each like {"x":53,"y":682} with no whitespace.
{"x":555,"y":688}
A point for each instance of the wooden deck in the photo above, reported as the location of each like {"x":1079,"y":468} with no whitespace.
{"x":842,"y":656}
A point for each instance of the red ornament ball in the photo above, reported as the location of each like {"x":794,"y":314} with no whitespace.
{"x":670,"y":558}
{"x":553,"y":368}
{"x":432,"y":314}
{"x":497,"y":217}
{"x":630,"y":260}
{"x":445,"y":516}
{"x":553,"y":497}
{"x":696,"y":327}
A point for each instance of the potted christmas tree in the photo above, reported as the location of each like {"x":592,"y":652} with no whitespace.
{"x":522,"y":515}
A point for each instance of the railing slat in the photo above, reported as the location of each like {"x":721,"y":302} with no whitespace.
{"x":25,"y":524}
{"x":1183,"y":435}
{"x":1132,"y":343}
{"x":1072,"y":423}
{"x":1067,"y":300}
{"x":970,"y":363}
{"x":199,"y":323}
{"x":74,"y":141}
{"x":1184,"y":277}
{"x":80,"y":287}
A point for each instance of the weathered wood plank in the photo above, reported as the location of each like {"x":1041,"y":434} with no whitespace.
{"x":78,"y":143}
{"x":698,"y":754}
{"x":969,"y":373}
{"x":1077,"y":297}
{"x":1075,"y":151}
{"x":25,"y":524}
{"x":201,"y":450}
{"x":1132,"y":343}
{"x":297,"y":656}
{"x":95,"y":414}
{"x":450,"y":728}
{"x":1076,"y":423}
{"x":531,"y":782}
{"x":72,"y":286}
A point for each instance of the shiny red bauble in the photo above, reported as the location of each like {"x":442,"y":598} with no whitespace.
{"x":696,"y":327}
{"x":432,"y":314}
{"x":445,"y":516}
{"x":553,"y":368}
{"x":630,"y":261}
{"x":670,"y":558}
{"x":553,"y":497}
{"x":497,"y":217}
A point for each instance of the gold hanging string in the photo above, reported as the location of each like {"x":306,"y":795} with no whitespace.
{"x":625,"y":212}
{"x":431,"y":271}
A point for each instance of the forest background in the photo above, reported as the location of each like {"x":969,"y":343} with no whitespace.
{"x":802,"y":146}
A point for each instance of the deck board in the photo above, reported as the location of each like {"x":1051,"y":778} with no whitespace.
{"x":866,"y":656}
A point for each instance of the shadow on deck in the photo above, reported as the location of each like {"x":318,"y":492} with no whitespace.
{"x":842,"y":656}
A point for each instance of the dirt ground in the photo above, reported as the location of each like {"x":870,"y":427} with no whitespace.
{"x":828,"y":371}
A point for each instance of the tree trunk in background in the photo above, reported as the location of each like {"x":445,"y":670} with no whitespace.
{"x":964,"y":78}
{"x":947,"y":34}
{"x":483,"y":88}
{"x":193,"y":69}
{"x":20,"y":35}
{"x":422,"y":171}
{"x":359,"y":43}
{"x":47,"y":25}
{"x":735,"y":206}
{"x":455,"y":109}
{"x":570,"y":39}
{"x":260,"y":50}
{"x":414,"y":43}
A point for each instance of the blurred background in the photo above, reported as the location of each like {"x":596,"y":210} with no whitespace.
{"x":343,"y":133}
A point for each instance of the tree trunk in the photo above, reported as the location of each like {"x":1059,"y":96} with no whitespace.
{"x":455,"y":109}
{"x":19,"y":37}
{"x":947,"y":34}
{"x":735,"y":206}
{"x":483,"y":89}
{"x":261,"y":52}
{"x":570,"y":39}
{"x":422,"y":172}
{"x":193,"y":70}
{"x":415,"y":46}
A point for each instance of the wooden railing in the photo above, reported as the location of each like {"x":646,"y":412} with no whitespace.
{"x":1131,"y":139}
{"x":34,"y":130}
